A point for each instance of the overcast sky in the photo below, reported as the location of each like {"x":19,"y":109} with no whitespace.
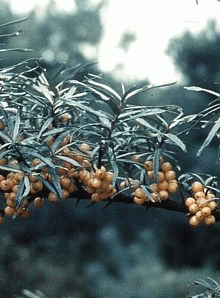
{"x":152,"y":21}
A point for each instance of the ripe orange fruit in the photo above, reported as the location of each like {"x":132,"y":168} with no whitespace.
{"x":65,"y":194}
{"x":122,"y":185}
{"x":163,"y":195}
{"x":166,"y":166}
{"x":95,"y":198}
{"x":189,"y":201}
{"x":150,"y":175}
{"x":52,"y":197}
{"x":206,"y":211}
{"x":202,"y":202}
{"x":154,"y":186}
{"x":194,"y":221}
{"x":65,"y":182}
{"x":199,"y":215}
{"x":160,"y":177}
{"x":38,"y":186}
{"x":96,"y":183}
{"x":100,"y":173}
{"x":172,"y":186}
{"x":148,"y":165}
{"x":209,"y":220}
{"x":170,"y":175}
{"x":2,"y":125}
{"x":84,"y":147}
{"x":10,"y":203}
{"x":6,"y":184}
{"x":10,"y":211}
{"x":199,"y":195}
{"x":193,"y":208}
{"x":212,"y":205}
{"x":32,"y":178}
{"x":139,"y":201}
{"x":109,"y":177}
{"x":163,"y":185}
{"x":197,"y":186}
{"x":38,"y":202}
{"x":139,"y":192}
{"x":155,"y":196}
{"x":23,"y":213}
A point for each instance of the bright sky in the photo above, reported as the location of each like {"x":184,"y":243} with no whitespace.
{"x":153,"y":21}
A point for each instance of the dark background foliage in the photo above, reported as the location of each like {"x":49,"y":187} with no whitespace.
{"x":121,"y":251}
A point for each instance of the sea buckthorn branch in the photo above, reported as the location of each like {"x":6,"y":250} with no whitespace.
{"x":85,"y":141}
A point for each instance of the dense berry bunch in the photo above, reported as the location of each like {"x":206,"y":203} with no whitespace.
{"x":163,"y":184}
{"x":201,"y":205}
{"x":98,"y":183}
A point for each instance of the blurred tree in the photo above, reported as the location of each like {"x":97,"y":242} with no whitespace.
{"x":197,"y":56}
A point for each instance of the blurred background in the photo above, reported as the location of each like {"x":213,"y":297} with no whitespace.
{"x":122,"y":251}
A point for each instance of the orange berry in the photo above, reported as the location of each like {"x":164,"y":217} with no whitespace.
{"x":72,"y":187}
{"x":10,"y":203}
{"x":139,"y":192}
{"x":206,"y":211}
{"x":23,"y":213}
{"x":163,"y":185}
{"x":65,"y":194}
{"x":199,"y":215}
{"x":19,"y":176}
{"x":95,"y":198}
{"x":193,"y":208}
{"x":154,"y":186}
{"x":170,"y":175}
{"x":194,"y":221}
{"x":155,"y":197}
{"x":166,"y":166}
{"x":6,"y":184}
{"x":65,"y":182}
{"x":84,"y":147}
{"x":150,"y":175}
{"x":148,"y":165}
{"x":52,"y":197}
{"x":172,"y":187}
{"x":32,"y":178}
{"x":96,"y":183}
{"x":163,"y":195}
{"x":199,"y":195}
{"x":139,"y":201}
{"x":2,"y":177}
{"x":2,"y":125}
{"x":73,"y":173}
{"x":109,"y":177}
{"x":212,"y":205}
{"x":210,"y":196}
{"x":209,"y":220}
{"x":38,"y":202}
{"x":122,"y":185}
{"x":10,"y":211}
{"x":160,"y":177}
{"x":100,"y":173}
{"x":202,"y":202}
{"x":38,"y":186}
{"x":197,"y":186}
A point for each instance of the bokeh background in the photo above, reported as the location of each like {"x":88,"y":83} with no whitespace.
{"x":122,"y":251}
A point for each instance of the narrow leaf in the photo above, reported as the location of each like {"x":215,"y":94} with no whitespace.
{"x":210,"y":136}
{"x":176,"y":140}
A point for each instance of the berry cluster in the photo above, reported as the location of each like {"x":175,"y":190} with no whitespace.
{"x":98,"y":183}
{"x":165,"y":183}
{"x":201,"y":205}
